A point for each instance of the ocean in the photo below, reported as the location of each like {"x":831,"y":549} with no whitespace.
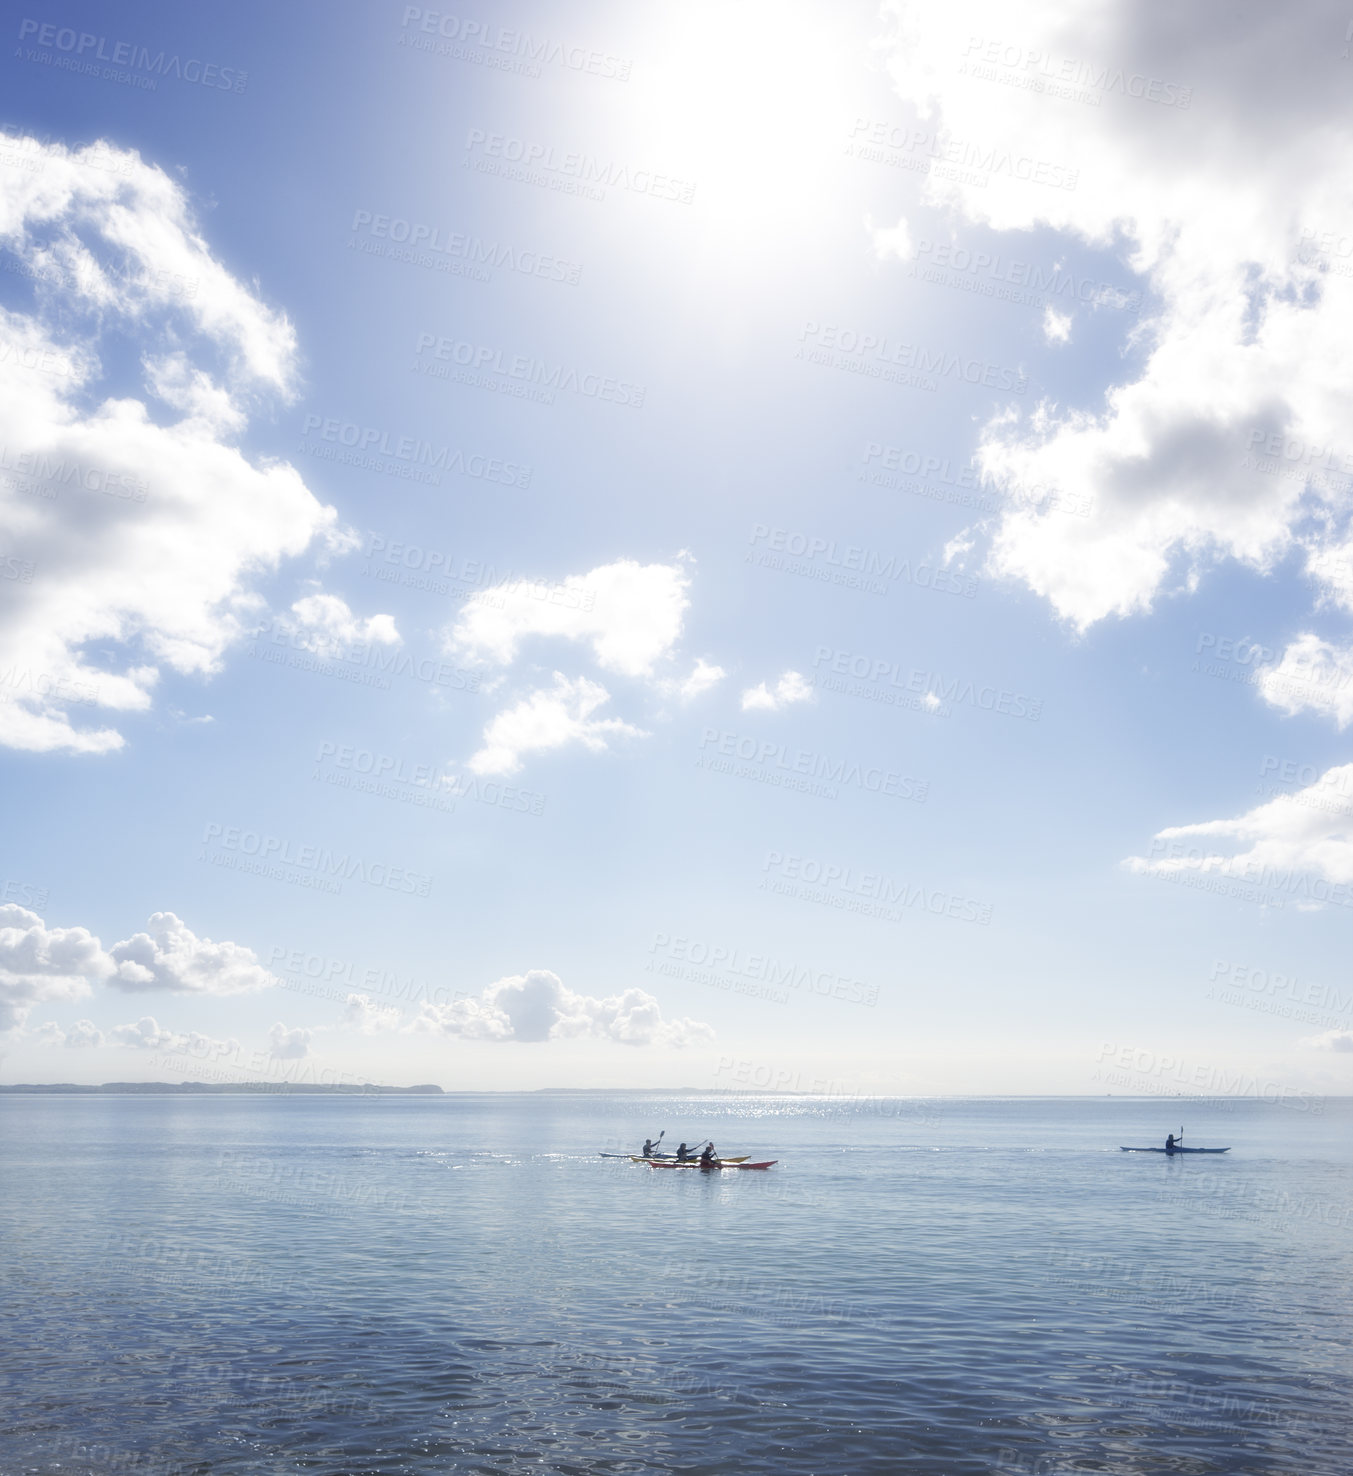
{"x":269,"y":1284}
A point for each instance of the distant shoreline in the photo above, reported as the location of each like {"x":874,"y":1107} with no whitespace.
{"x":370,"y":1089}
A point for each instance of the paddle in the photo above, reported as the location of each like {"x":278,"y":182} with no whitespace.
{"x":692,"y":1152}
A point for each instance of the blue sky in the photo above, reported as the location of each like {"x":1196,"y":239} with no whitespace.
{"x":832,"y":573}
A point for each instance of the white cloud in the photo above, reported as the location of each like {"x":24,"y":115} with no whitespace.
{"x":172,"y":957}
{"x":536,"y":1007}
{"x":82,"y":1033}
{"x":1223,"y":207}
{"x":893,"y":241}
{"x":549,"y":718}
{"x":1314,"y":675}
{"x":145,"y":528}
{"x":39,"y":964}
{"x":631,"y":615}
{"x":1308,"y":833}
{"x":364,"y":1013}
{"x":1056,"y":326}
{"x":704,"y":675}
{"x":324,"y":620}
{"x":288,"y":1045}
{"x":792,"y":687}
{"x":146,"y":1034}
{"x":1331,"y":1040}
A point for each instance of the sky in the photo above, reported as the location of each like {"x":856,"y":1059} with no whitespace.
{"x":729,"y":546}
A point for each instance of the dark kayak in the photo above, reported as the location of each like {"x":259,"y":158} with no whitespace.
{"x":1174,"y":1150}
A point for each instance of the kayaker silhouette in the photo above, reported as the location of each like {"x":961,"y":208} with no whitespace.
{"x":650,"y":1148}
{"x":1169,"y":1143}
{"x":709,"y":1157}
{"x":682,"y":1153}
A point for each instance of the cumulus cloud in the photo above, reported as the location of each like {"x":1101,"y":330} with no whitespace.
{"x":145,"y":527}
{"x":1056,"y":326}
{"x":367,"y":1015}
{"x":172,"y":957}
{"x":288,"y":1045}
{"x":146,"y":1034}
{"x":82,"y":1033}
{"x":537,"y":1007}
{"x":1331,"y":1040}
{"x":1216,"y":443}
{"x":550,"y":717}
{"x":39,"y":964}
{"x":792,"y":687}
{"x":893,"y":241}
{"x":324,"y":620}
{"x":1308,"y":833}
{"x":704,"y":675}
{"x":1314,"y":675}
{"x":630,"y":614}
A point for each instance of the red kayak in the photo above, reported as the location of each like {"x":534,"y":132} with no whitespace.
{"x":667,"y":1163}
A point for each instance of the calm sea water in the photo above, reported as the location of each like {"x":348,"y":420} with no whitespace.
{"x":459,"y":1284}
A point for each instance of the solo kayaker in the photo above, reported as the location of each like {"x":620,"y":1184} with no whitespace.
{"x":1170,"y":1143}
{"x":650,"y":1148}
